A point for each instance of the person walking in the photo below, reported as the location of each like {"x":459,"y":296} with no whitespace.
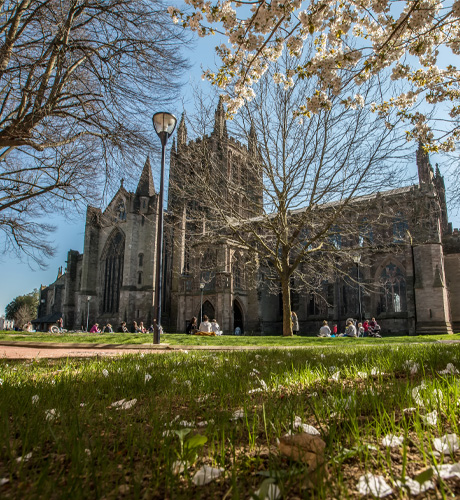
{"x":295,"y":323}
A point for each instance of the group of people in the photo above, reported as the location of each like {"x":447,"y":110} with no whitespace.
{"x":206,"y":328}
{"x":108,"y":328}
{"x":353,"y":329}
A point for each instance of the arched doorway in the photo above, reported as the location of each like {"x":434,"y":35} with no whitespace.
{"x":237,"y":316}
{"x":208,"y":310}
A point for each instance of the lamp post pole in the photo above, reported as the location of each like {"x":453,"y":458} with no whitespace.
{"x":87,"y":313}
{"x":357,"y":259}
{"x":201,"y":306}
{"x":164,"y":125}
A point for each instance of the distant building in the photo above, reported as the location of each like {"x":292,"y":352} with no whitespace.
{"x":410,"y":286}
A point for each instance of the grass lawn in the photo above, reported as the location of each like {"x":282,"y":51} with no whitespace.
{"x":144,"y":426}
{"x":224,"y":340}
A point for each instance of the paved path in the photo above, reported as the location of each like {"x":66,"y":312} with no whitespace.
{"x":34,"y":350}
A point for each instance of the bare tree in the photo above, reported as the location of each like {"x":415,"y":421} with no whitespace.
{"x":295,"y":201}
{"x":78,"y":83}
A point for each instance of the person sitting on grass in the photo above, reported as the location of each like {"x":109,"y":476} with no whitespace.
{"x":124,"y":329}
{"x":136,"y":328}
{"x":360,"y":330}
{"x":215,"y":327}
{"x":108,"y":328}
{"x":192,"y":327}
{"x":205,"y":328}
{"x":142,"y":327}
{"x":324,"y":331}
{"x":95,"y":328}
{"x":350,"y":330}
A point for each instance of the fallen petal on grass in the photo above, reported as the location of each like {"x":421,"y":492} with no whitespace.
{"x":185,"y":423}
{"x":105,"y":373}
{"x":448,"y":443}
{"x":415,"y":487}
{"x":4,"y":480}
{"x":147,"y":377}
{"x":336,"y":376}
{"x":35,"y":399}
{"x":449,"y":370}
{"x":178,"y":467}
{"x":51,"y":415}
{"x":446,"y":471}
{"x":237,"y":415}
{"x":127,"y":404}
{"x":430,"y":418}
{"x":309,"y":429}
{"x":392,"y":441}
{"x":373,"y":485}
{"x":24,"y":458}
{"x":206,"y":474}
{"x":123,"y":404}
{"x":272,"y":493}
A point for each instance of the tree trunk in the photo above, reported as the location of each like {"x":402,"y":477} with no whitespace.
{"x":286,"y":293}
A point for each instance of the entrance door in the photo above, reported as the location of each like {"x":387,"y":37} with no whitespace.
{"x":237,"y":316}
{"x":208,"y":310}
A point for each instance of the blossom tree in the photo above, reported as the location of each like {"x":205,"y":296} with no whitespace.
{"x":353,"y":40}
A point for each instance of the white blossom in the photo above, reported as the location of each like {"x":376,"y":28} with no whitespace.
{"x":414,"y":486}
{"x":24,"y":458}
{"x":449,"y":443}
{"x":206,"y":474}
{"x":51,"y":415}
{"x":430,"y":418}
{"x":373,"y":485}
{"x":392,"y":441}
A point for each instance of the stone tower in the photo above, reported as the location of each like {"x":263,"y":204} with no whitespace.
{"x":431,"y":295}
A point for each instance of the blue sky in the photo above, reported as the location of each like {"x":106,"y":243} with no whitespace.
{"x":18,"y":278}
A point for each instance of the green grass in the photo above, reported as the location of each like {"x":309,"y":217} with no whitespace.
{"x":225,"y":340}
{"x":92,"y":450}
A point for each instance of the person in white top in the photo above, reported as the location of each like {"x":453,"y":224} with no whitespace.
{"x":215,"y":327}
{"x":324,"y":331}
{"x":205,"y":325}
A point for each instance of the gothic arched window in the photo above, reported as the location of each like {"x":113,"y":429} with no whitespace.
{"x":113,"y":258}
{"x":392,"y":289}
{"x":141,"y":259}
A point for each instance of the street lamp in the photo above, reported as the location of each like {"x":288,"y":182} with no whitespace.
{"x":201,"y":307}
{"x":164,"y":125}
{"x":87,"y":312}
{"x":357,"y":260}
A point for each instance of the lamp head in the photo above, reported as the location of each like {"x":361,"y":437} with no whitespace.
{"x":164,"y":125}
{"x":357,"y":259}
{"x":201,"y":286}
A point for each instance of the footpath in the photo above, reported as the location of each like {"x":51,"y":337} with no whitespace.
{"x":38,"y":350}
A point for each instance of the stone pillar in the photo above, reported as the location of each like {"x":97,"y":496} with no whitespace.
{"x":431,"y":297}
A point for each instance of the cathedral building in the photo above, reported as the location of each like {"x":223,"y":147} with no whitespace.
{"x":410,"y":285}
